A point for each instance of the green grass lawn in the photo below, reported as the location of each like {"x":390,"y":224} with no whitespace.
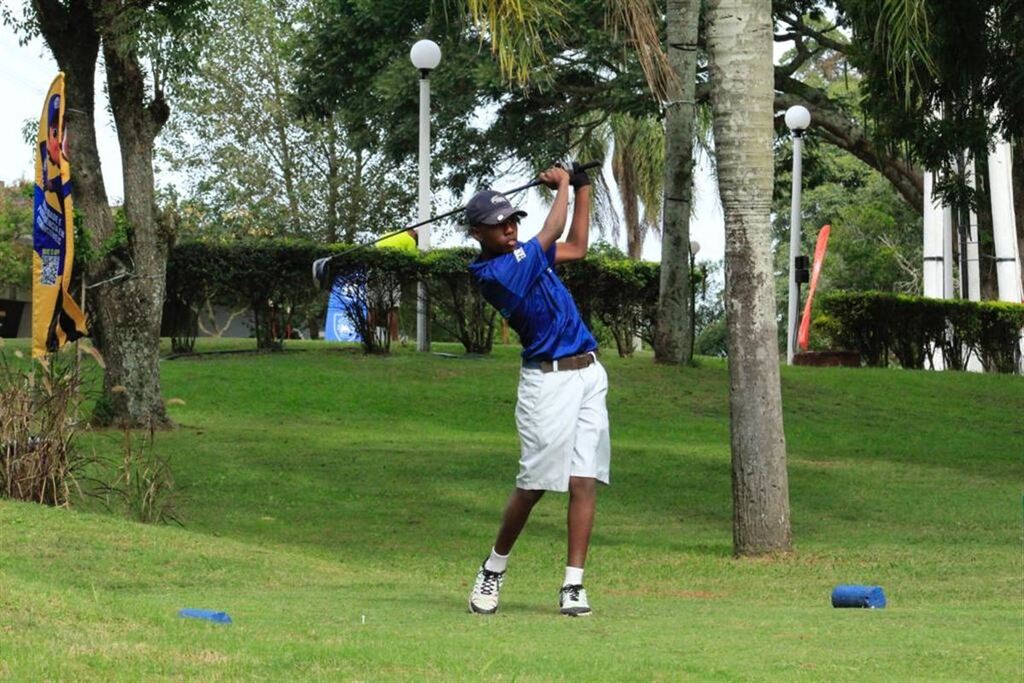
{"x":338,"y":506}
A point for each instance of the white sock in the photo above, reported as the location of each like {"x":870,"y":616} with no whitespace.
{"x":573,"y":576}
{"x":496,"y":562}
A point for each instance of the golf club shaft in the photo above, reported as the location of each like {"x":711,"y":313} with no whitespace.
{"x":533,"y":183}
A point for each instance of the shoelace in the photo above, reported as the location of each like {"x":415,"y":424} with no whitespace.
{"x":490,"y":581}
{"x":572,"y":591}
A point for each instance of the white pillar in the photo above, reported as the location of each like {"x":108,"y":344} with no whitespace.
{"x":1004,"y":224}
{"x":933,"y":270}
{"x":423,"y":232}
{"x":937,"y":252}
{"x":973,"y":292}
{"x":1008,"y":277}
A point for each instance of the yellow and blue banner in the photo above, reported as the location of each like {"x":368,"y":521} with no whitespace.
{"x":56,"y":318}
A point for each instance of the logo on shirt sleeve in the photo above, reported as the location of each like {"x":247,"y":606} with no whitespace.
{"x":520,"y":254}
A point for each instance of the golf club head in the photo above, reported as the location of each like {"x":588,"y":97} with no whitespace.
{"x":321,"y":272}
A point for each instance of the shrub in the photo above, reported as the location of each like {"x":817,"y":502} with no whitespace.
{"x":40,"y":414}
{"x":909,"y":330}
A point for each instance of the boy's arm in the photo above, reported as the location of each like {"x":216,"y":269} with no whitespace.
{"x":557,"y":179}
{"x":575,"y":245}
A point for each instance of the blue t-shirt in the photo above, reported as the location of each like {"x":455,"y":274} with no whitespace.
{"x":525,"y":289}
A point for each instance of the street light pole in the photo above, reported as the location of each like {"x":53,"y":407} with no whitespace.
{"x":797,"y":120}
{"x":425,"y":56}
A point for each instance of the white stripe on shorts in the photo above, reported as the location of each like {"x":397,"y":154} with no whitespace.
{"x":563,"y":427}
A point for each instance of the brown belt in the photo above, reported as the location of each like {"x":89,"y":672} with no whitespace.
{"x":577,"y":362}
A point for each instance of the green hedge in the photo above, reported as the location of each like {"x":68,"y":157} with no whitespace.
{"x":273,"y":278}
{"x":909,"y":331}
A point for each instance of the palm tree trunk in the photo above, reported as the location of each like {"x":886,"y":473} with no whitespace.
{"x":671,"y":339}
{"x":740,"y":46}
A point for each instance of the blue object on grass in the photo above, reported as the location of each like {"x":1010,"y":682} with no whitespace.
{"x":858,"y":596}
{"x":207,"y":614}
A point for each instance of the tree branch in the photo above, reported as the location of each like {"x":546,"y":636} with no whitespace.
{"x":840,"y":130}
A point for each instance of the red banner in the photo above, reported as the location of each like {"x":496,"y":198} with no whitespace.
{"x":804,"y":336}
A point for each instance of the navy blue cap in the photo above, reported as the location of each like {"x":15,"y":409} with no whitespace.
{"x":488,"y":207}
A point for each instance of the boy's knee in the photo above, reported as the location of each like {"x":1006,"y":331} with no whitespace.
{"x":582,"y":486}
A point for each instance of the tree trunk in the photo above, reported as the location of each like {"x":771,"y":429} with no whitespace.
{"x":70,"y":33}
{"x":129,"y":310}
{"x":740,"y":47}
{"x":671,"y":337}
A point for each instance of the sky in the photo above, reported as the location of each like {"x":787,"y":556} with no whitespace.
{"x":27,"y":71}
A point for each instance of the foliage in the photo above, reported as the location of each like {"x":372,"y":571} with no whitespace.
{"x":273,"y":278}
{"x":457,"y":303}
{"x":40,"y":420}
{"x":284,"y":177}
{"x":875,"y":241}
{"x":374,"y":279}
{"x":941,"y":77}
{"x":143,"y":485}
{"x":270,"y":276}
{"x":911,"y":330}
{"x":620,"y":292}
{"x":15,"y":222}
{"x":355,"y":65}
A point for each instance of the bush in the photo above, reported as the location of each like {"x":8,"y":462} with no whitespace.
{"x":458,"y":305}
{"x":886,"y":328}
{"x":40,"y":414}
{"x":620,"y":293}
{"x":272,"y":278}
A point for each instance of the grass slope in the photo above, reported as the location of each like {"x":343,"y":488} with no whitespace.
{"x":338,"y":507}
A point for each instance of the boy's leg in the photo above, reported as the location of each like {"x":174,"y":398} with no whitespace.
{"x":517,"y":511}
{"x":572,"y":599}
{"x":484,"y":597}
{"x":582,"y":503}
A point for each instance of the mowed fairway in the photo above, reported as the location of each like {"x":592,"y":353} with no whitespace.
{"x":337,"y":507}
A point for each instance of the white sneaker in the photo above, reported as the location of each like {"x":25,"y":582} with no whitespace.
{"x":484,"y":598}
{"x":572,"y":601}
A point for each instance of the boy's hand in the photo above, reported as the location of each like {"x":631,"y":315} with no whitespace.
{"x":579,"y":177}
{"x":555,"y":177}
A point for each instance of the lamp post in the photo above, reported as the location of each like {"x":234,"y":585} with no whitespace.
{"x":425,"y":56}
{"x":797,"y":120}
{"x":694,"y":248}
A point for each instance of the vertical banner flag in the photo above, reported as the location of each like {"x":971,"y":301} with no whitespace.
{"x":804,"y":336}
{"x":56,"y":318}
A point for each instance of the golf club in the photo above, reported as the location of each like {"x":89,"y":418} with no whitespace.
{"x":321,"y":266}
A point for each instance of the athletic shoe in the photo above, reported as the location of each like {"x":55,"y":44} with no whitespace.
{"x":572,"y":601}
{"x":320,"y":268}
{"x":484,"y":598}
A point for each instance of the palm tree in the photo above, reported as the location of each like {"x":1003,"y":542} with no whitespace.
{"x":740,"y":51}
{"x":672,"y":341}
{"x":638,"y":160}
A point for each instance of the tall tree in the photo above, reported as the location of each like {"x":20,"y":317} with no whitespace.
{"x":142,"y":42}
{"x":255,"y":168}
{"x":740,"y":50}
{"x":672,"y":342}
{"x":638,"y":162}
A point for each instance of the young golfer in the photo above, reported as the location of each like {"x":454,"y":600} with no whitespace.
{"x":560,"y":413}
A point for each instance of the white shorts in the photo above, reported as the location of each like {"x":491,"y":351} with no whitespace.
{"x":563,"y":427}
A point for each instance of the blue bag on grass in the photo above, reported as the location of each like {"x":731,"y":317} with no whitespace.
{"x":858,"y":596}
